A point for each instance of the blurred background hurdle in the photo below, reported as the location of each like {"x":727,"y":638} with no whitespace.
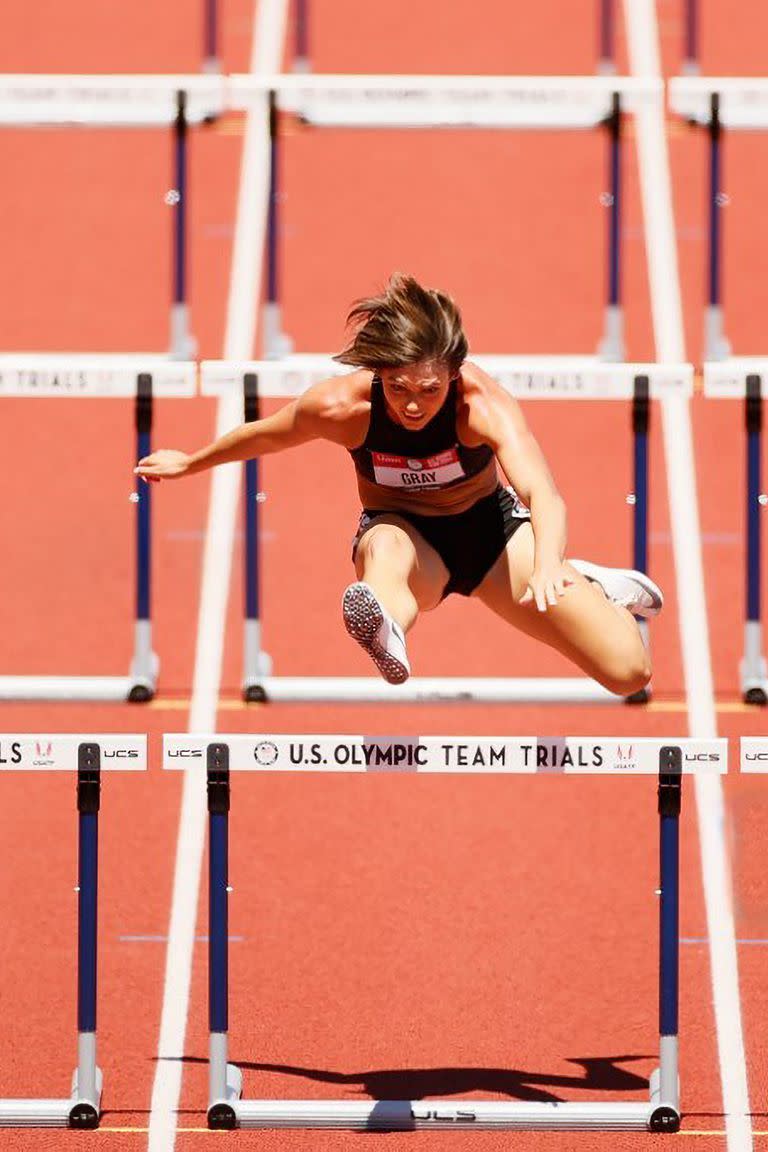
{"x":525,"y":377}
{"x":689,"y":13}
{"x":629,"y":755}
{"x":743,"y":378}
{"x":87,"y":756}
{"x":421,"y":102}
{"x":85,"y":377}
{"x":127,"y":102}
{"x":717,"y":103}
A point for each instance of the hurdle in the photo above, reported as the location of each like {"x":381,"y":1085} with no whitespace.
{"x":176,"y":102}
{"x":525,"y":377}
{"x":72,"y":377}
{"x":416,"y":102}
{"x":614,"y":756}
{"x":743,"y":378}
{"x":88,"y":756}
{"x":607,"y":37}
{"x":716,"y":103}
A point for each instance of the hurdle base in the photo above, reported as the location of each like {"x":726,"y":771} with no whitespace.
{"x":413,"y":1115}
{"x":75,"y":1112}
{"x":665,"y":1116}
{"x":137,"y":689}
{"x":222,"y":1114}
{"x":426,"y":690}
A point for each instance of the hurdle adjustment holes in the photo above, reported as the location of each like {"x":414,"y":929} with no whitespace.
{"x":172,"y":196}
{"x":631,"y":499}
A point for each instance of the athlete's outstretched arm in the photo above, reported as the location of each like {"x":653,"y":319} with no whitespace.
{"x":316,"y":415}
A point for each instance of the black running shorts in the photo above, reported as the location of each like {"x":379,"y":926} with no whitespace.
{"x":469,"y":543}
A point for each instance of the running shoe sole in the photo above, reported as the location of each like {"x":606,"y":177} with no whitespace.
{"x":363,"y":619}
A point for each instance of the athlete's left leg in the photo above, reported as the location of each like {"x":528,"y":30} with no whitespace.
{"x":600,"y":637}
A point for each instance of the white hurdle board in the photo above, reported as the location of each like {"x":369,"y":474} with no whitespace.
{"x":727,"y":379}
{"x":525,"y":377}
{"x":489,"y":755}
{"x":754,"y":754}
{"x":533,"y":102}
{"x":121,"y":101}
{"x":47,"y":375}
{"x":533,"y":377}
{"x":742,"y":100}
{"x":67,"y":376}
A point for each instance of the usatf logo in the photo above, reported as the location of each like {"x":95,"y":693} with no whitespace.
{"x":416,"y":465}
{"x":265,"y":753}
{"x":43,"y":754}
{"x":625,"y":758}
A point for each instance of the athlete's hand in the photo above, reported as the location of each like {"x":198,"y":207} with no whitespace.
{"x":166,"y":464}
{"x":546,"y":585}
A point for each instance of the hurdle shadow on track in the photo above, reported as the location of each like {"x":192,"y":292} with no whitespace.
{"x":601,"y":1073}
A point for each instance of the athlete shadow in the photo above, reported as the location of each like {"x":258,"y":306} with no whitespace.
{"x":600,"y":1073}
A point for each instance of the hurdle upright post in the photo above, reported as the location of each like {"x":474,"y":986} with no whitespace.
{"x":691,"y":46}
{"x":665,"y":1089}
{"x":716,"y":344}
{"x":256,"y":663}
{"x":144,"y":663}
{"x":87,"y":1086}
{"x":224,"y":1081}
{"x":276,"y":342}
{"x":641,"y":420}
{"x":211,"y":62}
{"x":754,"y":670}
{"x":183,"y":343}
{"x":606,"y":57}
{"x":301,"y":61}
{"x":612,"y":345}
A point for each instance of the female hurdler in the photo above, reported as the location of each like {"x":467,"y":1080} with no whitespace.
{"x":427,"y":431}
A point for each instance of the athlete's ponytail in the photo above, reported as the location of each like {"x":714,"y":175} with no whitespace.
{"x":404,"y":325}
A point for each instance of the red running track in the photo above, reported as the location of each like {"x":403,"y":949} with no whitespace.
{"x":490,"y":937}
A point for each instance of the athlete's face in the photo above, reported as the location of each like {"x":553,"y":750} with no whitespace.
{"x":416,"y":392}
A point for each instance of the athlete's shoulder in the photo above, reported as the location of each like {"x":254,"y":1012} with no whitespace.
{"x":336,"y":408}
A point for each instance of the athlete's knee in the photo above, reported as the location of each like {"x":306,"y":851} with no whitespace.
{"x":388,"y":543}
{"x":627,"y":670}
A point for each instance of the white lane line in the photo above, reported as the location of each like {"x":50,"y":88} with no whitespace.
{"x":242,"y":305}
{"x":666,"y":303}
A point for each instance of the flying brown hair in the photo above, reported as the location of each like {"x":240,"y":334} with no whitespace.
{"x":407,"y":323}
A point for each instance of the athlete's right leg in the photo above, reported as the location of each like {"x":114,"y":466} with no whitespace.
{"x":406,"y":574}
{"x":399,"y":576}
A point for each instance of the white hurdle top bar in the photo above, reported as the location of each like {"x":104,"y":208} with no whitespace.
{"x":534,"y":102}
{"x":58,"y":752}
{"x":36,"y":374}
{"x":727,"y":379}
{"x":743,"y":100}
{"x":535,"y":377}
{"x":612,"y":755}
{"x":29,"y":100}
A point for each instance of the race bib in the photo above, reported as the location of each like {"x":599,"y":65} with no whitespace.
{"x":413,"y":472}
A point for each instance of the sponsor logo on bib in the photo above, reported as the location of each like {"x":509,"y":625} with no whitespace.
{"x":410,"y":472}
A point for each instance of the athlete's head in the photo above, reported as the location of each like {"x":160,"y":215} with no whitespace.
{"x":412,"y":337}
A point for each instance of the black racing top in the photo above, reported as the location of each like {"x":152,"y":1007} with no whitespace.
{"x":432,"y":457}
